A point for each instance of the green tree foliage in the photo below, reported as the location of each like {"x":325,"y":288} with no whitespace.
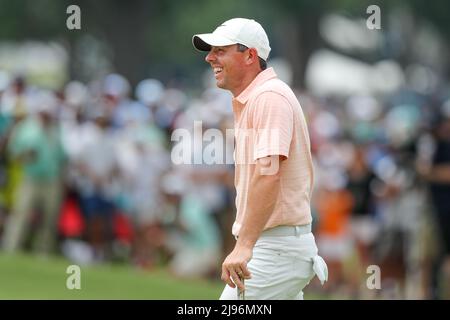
{"x":153,"y":37}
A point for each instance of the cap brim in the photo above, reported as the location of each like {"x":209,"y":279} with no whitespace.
{"x":204,"y":42}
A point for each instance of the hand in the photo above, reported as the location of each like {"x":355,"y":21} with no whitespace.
{"x":423,"y":169}
{"x":234,"y":268}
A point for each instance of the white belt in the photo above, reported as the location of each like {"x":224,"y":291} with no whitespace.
{"x":284,"y":231}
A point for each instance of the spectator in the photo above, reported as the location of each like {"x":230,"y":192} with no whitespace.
{"x":36,"y":144}
{"x":438,"y":175}
{"x":98,"y":185}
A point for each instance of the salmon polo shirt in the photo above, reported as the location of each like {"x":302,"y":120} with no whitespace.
{"x":269,"y":120}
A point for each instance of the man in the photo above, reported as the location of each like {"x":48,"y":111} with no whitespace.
{"x":436,"y":171}
{"x":35,"y":143}
{"x":275,"y":250}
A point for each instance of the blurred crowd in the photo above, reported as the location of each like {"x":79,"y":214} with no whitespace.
{"x":87,"y":172}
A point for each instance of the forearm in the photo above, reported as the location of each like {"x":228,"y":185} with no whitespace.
{"x":439,"y":174}
{"x":263,"y":193}
{"x":261,"y":199}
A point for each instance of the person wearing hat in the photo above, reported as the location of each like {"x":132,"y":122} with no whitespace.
{"x":36,"y":144}
{"x":275,"y":255}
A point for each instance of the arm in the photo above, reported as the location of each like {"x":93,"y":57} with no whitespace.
{"x":262,"y":183}
{"x":439,"y":173}
{"x":272,"y":121}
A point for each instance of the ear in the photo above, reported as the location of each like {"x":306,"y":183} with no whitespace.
{"x":252,"y":56}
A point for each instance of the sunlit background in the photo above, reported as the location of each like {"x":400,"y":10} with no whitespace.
{"x":86,"y":119}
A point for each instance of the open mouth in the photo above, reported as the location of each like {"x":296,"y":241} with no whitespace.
{"x":217,"y":71}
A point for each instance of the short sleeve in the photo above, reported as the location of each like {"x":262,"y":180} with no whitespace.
{"x":273,"y":122}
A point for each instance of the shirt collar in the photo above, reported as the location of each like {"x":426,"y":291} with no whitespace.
{"x":262,"y":77}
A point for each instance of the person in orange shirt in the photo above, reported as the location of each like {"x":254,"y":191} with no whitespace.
{"x":334,"y":205}
{"x":275,"y":253}
{"x":335,"y":212}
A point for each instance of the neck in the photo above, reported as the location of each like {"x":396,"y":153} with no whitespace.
{"x":245,"y":82}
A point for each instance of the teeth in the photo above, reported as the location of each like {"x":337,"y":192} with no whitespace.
{"x":217,"y":70}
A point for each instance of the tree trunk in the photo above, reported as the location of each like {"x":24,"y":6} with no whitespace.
{"x":299,"y":38}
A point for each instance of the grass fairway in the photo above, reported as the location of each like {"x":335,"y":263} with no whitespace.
{"x":30,"y":277}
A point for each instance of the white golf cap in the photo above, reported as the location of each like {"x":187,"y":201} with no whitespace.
{"x":238,"y":30}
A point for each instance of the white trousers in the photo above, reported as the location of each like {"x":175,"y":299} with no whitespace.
{"x":281,"y":267}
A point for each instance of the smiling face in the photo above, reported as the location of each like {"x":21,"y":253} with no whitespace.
{"x":232,"y":68}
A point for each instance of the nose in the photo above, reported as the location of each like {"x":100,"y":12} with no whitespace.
{"x":209,"y":57}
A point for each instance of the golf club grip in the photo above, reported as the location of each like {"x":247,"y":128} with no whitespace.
{"x":241,"y":293}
